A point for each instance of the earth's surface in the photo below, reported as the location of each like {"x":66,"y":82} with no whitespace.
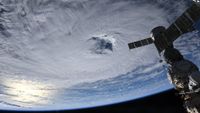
{"x":70,"y":54}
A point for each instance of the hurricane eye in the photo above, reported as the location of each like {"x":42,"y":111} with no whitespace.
{"x":102,"y":44}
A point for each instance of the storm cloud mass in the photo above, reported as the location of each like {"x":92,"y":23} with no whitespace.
{"x":62,"y":52}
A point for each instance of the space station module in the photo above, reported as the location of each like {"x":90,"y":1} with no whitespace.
{"x":185,"y":77}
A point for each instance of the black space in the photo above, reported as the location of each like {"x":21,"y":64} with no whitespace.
{"x":167,"y":102}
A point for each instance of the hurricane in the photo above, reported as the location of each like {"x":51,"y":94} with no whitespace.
{"x":70,"y":54}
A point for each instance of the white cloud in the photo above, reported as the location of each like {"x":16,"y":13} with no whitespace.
{"x":50,"y":44}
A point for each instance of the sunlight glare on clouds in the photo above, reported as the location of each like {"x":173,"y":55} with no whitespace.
{"x":27,"y":91}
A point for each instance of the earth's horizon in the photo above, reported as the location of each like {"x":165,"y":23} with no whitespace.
{"x":73,"y":54}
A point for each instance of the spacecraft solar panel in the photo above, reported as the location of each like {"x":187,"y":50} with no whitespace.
{"x":140,"y":43}
{"x":185,"y":23}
